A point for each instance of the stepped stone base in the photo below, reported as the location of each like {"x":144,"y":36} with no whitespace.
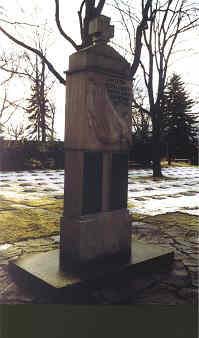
{"x":42,"y":270}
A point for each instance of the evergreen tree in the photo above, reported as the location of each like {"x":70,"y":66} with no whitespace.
{"x":178,"y":123}
{"x":40,"y":114}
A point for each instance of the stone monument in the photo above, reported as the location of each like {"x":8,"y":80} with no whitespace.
{"x":95,"y":232}
{"x":96,"y":223}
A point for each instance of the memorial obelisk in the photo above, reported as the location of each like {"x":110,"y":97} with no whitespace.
{"x":96,"y":226}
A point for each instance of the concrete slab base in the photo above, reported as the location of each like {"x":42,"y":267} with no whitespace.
{"x":40,"y":272}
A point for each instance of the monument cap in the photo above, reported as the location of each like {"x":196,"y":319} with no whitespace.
{"x":100,"y":29}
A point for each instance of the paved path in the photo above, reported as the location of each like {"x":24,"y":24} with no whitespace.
{"x":179,"y":193}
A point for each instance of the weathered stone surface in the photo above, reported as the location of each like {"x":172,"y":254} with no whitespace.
{"x":94,"y":236}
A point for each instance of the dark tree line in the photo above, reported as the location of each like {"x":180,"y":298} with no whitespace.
{"x":178,"y":124}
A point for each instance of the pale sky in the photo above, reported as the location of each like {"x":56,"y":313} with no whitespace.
{"x":186,"y":62}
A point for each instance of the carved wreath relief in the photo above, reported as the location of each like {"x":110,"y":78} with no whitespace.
{"x":108,"y":110}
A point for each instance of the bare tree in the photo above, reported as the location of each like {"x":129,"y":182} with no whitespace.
{"x":90,"y":10}
{"x":8,"y":105}
{"x":33,"y":70}
{"x":166,"y":22}
{"x":7,"y":109}
{"x":16,"y":132}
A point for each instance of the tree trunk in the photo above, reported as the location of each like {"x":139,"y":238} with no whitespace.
{"x":157,"y":171}
{"x":156,"y":145}
{"x":42,"y":103}
{"x":169,"y":159}
{"x":168,"y":154}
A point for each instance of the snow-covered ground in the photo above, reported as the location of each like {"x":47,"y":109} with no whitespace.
{"x":145,"y":196}
{"x":181,"y":193}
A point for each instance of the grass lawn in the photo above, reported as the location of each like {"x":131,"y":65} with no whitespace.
{"x":29,"y":219}
{"x":40,"y":218}
{"x":169,"y":219}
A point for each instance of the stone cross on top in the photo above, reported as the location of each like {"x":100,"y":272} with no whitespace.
{"x":100,"y":29}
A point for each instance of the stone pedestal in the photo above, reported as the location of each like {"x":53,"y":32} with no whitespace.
{"x":99,"y":236}
{"x":41,"y":271}
{"x":95,"y":225}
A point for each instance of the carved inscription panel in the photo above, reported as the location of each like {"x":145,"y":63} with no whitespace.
{"x":118,"y":91}
{"x":109,"y":111}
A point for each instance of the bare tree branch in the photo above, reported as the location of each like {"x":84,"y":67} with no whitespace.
{"x":34,"y":50}
{"x":18,"y":23}
{"x":138,"y":40}
{"x":3,"y":83}
{"x":68,"y":38}
{"x":80,"y":19}
{"x":126,"y":26}
{"x":100,"y":7}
